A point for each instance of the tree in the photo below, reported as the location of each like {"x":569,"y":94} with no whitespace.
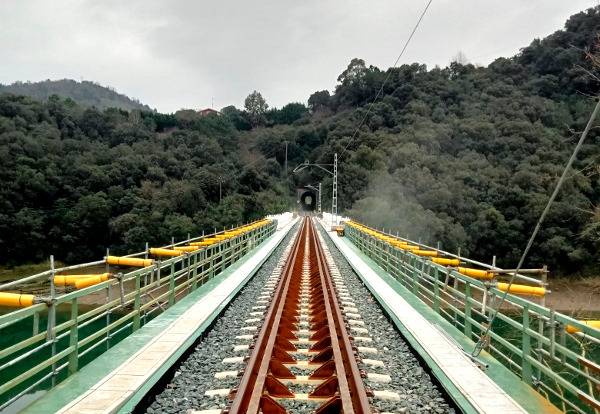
{"x":289,"y":113}
{"x":355,"y":71}
{"x":460,"y":58}
{"x":256,"y":107}
{"x":237,"y":117}
{"x":319,"y":101}
{"x":358,"y":84}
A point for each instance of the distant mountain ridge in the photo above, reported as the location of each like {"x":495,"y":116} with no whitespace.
{"x":85,"y":93}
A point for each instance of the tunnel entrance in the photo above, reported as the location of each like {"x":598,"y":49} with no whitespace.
{"x":307,"y":199}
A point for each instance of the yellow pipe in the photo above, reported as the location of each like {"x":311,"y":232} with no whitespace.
{"x":63,"y":280}
{"x":476,"y":273}
{"x":445,"y":262}
{"x":15,"y":300}
{"x":203,"y":243}
{"x":522,"y":289}
{"x":89,"y":281}
{"x":186,"y":248}
{"x":593,"y":323}
{"x":427,"y":253}
{"x":399,"y":243}
{"x":409,"y":247}
{"x":157,"y":251}
{"x":129,"y":261}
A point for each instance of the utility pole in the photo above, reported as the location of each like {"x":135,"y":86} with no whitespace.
{"x":334,"y":196}
{"x":319,"y":200}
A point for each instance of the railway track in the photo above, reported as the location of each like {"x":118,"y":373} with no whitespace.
{"x":295,"y":342}
{"x":304,"y":318}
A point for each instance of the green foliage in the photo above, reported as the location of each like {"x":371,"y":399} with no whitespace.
{"x":468,"y":156}
{"x":237,"y":118}
{"x":76,"y":180}
{"x":256,"y":106}
{"x":288,"y":114}
{"x":319,"y":100}
{"x":465,"y":156}
{"x":85,"y":93}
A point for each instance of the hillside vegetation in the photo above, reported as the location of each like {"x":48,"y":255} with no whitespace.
{"x":85,"y":93}
{"x":464,"y":155}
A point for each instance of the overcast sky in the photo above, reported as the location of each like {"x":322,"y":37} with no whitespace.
{"x":182,"y":54}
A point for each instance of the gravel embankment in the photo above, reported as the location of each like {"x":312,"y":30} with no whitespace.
{"x":418,"y":393}
{"x":196,"y":374}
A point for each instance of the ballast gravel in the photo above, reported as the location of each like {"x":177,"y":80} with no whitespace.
{"x":196,"y":374}
{"x":418,"y":393}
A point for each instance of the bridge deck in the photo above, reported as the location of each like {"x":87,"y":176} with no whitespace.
{"x":166,"y":338}
{"x":467,"y":384}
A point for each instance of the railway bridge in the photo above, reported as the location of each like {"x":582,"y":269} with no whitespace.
{"x":292,"y":314}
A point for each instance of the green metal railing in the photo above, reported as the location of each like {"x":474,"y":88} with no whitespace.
{"x":39,"y":350}
{"x":527,"y":337}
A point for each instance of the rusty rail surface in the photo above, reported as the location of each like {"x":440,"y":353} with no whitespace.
{"x":305,"y":292}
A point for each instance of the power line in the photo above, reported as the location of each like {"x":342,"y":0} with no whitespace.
{"x":482,"y":340}
{"x":387,"y":77}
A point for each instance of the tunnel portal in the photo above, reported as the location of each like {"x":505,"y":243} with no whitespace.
{"x":307,"y":199}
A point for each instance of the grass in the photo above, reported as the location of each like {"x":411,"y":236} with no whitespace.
{"x":15,"y":272}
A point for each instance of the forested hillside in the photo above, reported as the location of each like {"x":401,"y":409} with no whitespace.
{"x":85,"y":93}
{"x":463,"y":155}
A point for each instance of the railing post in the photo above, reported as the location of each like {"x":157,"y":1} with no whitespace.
{"x":188,"y":259}
{"x":413,"y":270}
{"x":436,"y":290}
{"x":50,"y":334}
{"x":195,"y":271}
{"x":137,"y":303}
{"x":386,"y":252}
{"x":394,"y":259}
{"x":211,"y":266}
{"x":539,"y":342}
{"x":36,"y":323}
{"x":74,"y":339}
{"x":402,"y":267}
{"x":468,"y":326}
{"x":107,"y":318}
{"x":203,"y":261}
{"x":526,"y":348}
{"x":172,"y":286}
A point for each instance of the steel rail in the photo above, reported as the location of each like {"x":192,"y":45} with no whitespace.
{"x":340,"y":387}
{"x":247,"y":400}
{"x":358,"y":393}
{"x":345,"y":399}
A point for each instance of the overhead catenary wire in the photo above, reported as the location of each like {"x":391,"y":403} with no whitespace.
{"x":389,"y":74}
{"x":483,"y":338}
